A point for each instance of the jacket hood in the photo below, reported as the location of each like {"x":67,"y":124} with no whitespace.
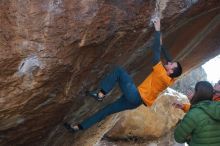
{"x":211,"y":108}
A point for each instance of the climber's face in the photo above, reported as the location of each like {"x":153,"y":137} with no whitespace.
{"x":170,"y":66}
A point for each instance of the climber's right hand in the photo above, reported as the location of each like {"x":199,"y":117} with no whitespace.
{"x":156,"y":22}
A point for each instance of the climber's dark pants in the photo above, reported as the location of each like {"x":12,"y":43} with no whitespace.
{"x":130,"y":98}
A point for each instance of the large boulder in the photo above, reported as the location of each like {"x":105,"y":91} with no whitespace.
{"x":150,"y":122}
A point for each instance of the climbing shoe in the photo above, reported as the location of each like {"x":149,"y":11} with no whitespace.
{"x":71,"y":129}
{"x":97,"y":94}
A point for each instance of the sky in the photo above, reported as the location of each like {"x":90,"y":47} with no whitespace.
{"x":212,"y":69}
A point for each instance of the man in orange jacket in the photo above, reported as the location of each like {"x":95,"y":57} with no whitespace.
{"x":162,"y":76}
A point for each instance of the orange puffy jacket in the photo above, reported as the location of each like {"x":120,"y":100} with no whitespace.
{"x":154,"y":84}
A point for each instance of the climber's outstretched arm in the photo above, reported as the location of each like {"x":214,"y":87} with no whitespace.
{"x":156,"y":48}
{"x":166,"y":54}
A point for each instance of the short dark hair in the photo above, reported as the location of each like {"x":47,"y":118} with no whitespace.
{"x":203,"y":91}
{"x":177,"y":71}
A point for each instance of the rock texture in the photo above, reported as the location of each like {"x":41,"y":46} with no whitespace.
{"x":149,"y":122}
{"x":51,"y":51}
{"x":188,"y":81}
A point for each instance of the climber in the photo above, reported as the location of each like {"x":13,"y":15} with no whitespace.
{"x":162,"y":76}
{"x":186,"y":106}
{"x":200,"y":126}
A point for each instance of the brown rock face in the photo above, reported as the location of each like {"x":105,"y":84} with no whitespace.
{"x":51,"y":51}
